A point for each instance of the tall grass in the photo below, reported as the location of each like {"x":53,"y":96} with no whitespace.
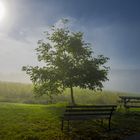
{"x":15,"y":92}
{"x":23,"y":93}
{"x":85,"y":96}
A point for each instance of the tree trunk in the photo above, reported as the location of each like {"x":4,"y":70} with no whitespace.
{"x":72,"y":97}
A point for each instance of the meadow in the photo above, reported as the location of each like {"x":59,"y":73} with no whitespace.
{"x":23,"y":93}
{"x":24,"y":117}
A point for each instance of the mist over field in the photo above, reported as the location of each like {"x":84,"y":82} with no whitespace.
{"x":119,"y":80}
{"x":124,"y":80}
{"x":112,"y":27}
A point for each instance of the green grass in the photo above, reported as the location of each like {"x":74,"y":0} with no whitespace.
{"x":22,"y":121}
{"x":42,"y":122}
{"x":35,"y":121}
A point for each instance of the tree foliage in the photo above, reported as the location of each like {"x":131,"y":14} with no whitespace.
{"x":68,"y":62}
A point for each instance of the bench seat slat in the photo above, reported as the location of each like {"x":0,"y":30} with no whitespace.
{"x":92,"y":106}
{"x":88,"y":110}
{"x":84,"y":114}
{"x":88,"y":117}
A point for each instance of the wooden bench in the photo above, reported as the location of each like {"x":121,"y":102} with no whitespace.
{"x":88,"y":112}
{"x":130,"y":101}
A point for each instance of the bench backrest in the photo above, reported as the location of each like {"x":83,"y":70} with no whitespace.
{"x":130,"y":97}
{"x":90,"y":110}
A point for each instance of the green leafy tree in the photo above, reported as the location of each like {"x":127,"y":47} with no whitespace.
{"x":68,"y":62}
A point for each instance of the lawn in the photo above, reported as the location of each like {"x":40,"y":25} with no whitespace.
{"x":42,"y":122}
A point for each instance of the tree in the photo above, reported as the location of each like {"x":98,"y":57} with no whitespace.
{"x":69,"y":62}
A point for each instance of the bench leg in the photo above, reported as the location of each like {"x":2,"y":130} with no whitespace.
{"x":68,"y":126}
{"x":102,"y":122}
{"x":109,"y":124}
{"x":62,"y":125}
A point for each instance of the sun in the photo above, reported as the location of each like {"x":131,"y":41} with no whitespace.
{"x":2,"y":11}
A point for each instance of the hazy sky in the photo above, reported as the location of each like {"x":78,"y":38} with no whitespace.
{"x":112,"y":26}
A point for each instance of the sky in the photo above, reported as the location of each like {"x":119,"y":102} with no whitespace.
{"x":112,"y":26}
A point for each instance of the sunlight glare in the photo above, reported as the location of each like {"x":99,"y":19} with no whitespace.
{"x":2,"y":10}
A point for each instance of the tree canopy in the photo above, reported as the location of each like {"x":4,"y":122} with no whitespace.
{"x":68,"y":62}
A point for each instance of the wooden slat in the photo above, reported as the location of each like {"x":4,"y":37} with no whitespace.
{"x":132,"y":106}
{"x":85,"y":117}
{"x":89,"y":110}
{"x":92,"y":106}
{"x":130,"y":97}
{"x":84,"y":114}
{"x":137,"y":101}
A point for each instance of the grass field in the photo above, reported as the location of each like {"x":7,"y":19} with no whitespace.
{"x":20,"y":121}
{"x":42,"y":122}
{"x":24,"y":117}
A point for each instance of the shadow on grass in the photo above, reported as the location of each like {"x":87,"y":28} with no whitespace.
{"x":122,"y":125}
